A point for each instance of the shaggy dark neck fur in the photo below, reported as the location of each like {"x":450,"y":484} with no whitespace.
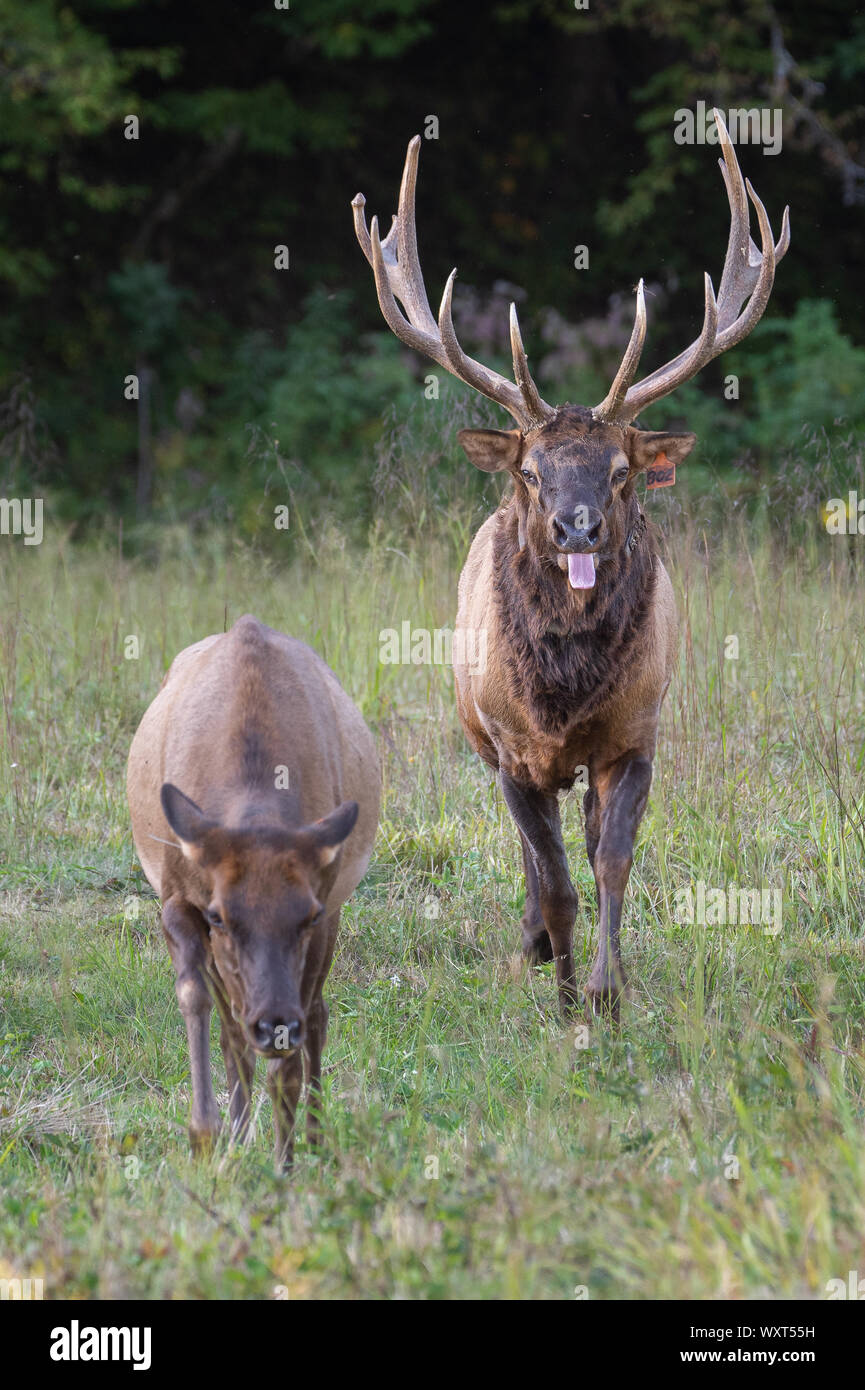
{"x":567,"y":653}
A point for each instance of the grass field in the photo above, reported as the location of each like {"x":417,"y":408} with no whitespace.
{"x":711,"y":1147}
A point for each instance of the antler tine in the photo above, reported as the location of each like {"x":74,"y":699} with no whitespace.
{"x":739,"y":244}
{"x":525,"y":403}
{"x":754,"y":279}
{"x":404,"y":329}
{"x":361,"y":231}
{"x":398,"y":276}
{"x":783,"y":243}
{"x":663,"y":380}
{"x":536,"y":406}
{"x":612,"y":402}
{"x":406,"y":238}
{"x":743,"y":264}
{"x":748,"y":274}
{"x":396,"y":264}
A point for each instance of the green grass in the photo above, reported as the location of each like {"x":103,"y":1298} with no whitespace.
{"x":712,"y":1147}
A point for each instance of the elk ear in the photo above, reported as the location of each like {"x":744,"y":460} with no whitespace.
{"x":644,"y":446}
{"x":492,"y":450}
{"x":326,"y":835}
{"x":187,"y":820}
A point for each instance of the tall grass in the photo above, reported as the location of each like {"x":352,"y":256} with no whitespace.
{"x":711,"y":1147}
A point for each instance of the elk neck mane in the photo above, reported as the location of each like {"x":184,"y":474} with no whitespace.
{"x":565,"y":656}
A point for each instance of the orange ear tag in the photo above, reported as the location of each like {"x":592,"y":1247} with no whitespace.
{"x":662,"y":472}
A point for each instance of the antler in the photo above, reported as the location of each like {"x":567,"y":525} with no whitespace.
{"x":398,"y":276}
{"x":747,"y":272}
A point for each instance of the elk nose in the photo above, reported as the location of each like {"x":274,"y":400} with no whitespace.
{"x":578,"y":531}
{"x":277,"y":1034}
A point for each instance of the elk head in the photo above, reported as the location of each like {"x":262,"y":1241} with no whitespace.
{"x":262,"y":891}
{"x":572,"y":464}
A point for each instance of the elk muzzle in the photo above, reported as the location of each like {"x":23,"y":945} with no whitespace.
{"x":274,"y":1018}
{"x":275,"y":1032}
{"x":578,"y":534}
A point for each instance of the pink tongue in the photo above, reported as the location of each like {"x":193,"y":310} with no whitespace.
{"x":581,"y":571}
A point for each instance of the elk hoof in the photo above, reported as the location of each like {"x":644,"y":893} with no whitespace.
{"x":537,"y":947}
{"x":202,"y":1137}
{"x":569,"y":1002}
{"x":604,"y":995}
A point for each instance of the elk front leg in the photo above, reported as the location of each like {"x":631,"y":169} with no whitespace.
{"x":186,"y":934}
{"x":622,"y":793}
{"x":536,"y":941}
{"x":537,"y":816}
{"x":284,"y":1081}
{"x":239,"y":1071}
{"x":316,"y":1033}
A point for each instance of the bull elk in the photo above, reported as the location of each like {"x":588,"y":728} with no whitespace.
{"x":254,"y":758}
{"x":565,"y":579}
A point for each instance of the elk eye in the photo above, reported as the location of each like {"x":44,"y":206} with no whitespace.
{"x":306,"y":927}
{"x":620,"y":475}
{"x":213,"y":919}
{"x":528,"y":475}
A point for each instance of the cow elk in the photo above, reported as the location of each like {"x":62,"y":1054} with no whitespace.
{"x":565,"y":579}
{"x":253,"y":786}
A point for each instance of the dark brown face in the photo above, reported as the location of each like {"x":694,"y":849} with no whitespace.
{"x":263,"y":913}
{"x":262,"y":896}
{"x":573,"y":482}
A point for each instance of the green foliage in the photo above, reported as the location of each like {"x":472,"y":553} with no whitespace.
{"x":147,"y":302}
{"x":331,"y":387}
{"x":340,"y":29}
{"x":805,"y":373}
{"x":62,"y":79}
{"x":162,"y":247}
